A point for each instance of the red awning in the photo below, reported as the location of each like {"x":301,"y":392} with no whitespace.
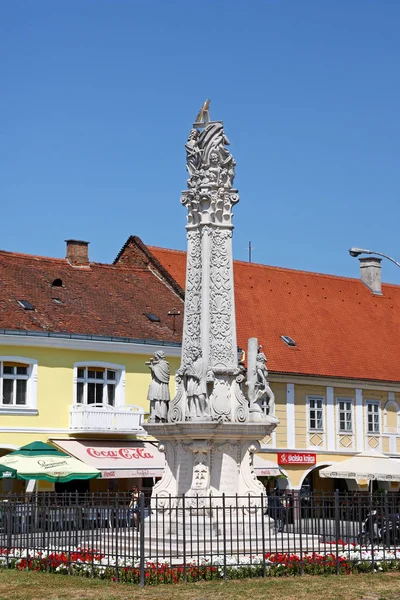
{"x":115,"y":459}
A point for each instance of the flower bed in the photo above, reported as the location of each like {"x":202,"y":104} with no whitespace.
{"x":349,"y":559}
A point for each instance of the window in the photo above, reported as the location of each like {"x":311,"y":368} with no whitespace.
{"x":152,"y":317}
{"x":99,"y":384}
{"x":18,"y":377}
{"x":14,"y":382}
{"x":345,"y":415}
{"x":373,"y":417}
{"x":316,"y":414}
{"x":96,"y":386}
{"x":288,"y":340}
{"x":265,"y":404}
{"x":26,"y":305}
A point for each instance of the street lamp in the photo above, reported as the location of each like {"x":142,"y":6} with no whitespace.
{"x":357,"y":251}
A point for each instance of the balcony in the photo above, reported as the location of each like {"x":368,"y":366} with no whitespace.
{"x":106,"y":419}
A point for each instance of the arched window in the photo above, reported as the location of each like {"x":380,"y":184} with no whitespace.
{"x":391,"y":417}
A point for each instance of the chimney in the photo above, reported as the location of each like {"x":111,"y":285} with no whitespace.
{"x":77,"y":253}
{"x":370,"y":273}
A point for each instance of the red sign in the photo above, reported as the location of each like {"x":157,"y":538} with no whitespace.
{"x":129,"y":453}
{"x":296,"y":458}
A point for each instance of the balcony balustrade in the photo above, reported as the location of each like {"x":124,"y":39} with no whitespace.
{"x":105,"y":418}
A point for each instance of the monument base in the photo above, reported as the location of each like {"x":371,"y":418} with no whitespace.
{"x":210,"y":464}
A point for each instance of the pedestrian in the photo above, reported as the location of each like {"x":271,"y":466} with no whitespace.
{"x":277,"y":511}
{"x":133,"y":508}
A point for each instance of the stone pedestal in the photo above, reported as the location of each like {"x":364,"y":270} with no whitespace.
{"x":207,"y":459}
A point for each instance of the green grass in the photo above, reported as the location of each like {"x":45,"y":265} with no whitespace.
{"x":25,"y":585}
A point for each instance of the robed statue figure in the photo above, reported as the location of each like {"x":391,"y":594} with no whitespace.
{"x":158,"y":393}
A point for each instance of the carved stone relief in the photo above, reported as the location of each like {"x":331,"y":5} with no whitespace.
{"x":192,"y":318}
{"x":222,"y":353}
{"x":251,"y":486}
{"x":164,"y":489}
{"x":210,"y":194}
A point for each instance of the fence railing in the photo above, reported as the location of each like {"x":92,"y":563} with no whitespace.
{"x":106,"y":418}
{"x":168,"y":539}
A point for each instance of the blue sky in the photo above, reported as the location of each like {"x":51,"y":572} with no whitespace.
{"x":97,"y":98}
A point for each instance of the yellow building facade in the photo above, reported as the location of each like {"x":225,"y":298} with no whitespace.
{"x":43,"y":381}
{"x":327,"y":421}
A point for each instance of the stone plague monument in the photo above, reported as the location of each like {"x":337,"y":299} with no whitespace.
{"x":214,"y":422}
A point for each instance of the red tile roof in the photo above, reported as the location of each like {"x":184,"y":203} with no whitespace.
{"x":341,"y":329}
{"x":106,"y":300}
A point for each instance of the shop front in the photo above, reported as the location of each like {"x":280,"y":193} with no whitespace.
{"x":296,"y":470}
{"x":121,"y":463}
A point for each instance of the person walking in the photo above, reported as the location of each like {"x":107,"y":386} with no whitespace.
{"x":133,"y":508}
{"x":277,"y":511}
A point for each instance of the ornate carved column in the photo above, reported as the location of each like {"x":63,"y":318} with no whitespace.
{"x":213,"y":426}
{"x":209,"y":320}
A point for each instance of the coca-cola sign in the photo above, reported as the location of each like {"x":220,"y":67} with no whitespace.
{"x":297,"y":458}
{"x":119,"y":453}
{"x":130,"y":473}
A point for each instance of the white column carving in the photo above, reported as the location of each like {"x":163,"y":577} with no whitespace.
{"x":330,"y":419}
{"x":360,"y":433}
{"x":290,"y":420}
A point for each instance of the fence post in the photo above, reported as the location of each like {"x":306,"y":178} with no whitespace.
{"x":263,"y":535}
{"x":116,"y":542}
{"x":224,"y":532}
{"x":298,"y":503}
{"x":337,"y":529}
{"x":8,"y":512}
{"x":184,"y":537}
{"x":80,"y":514}
{"x":25,"y":523}
{"x":372,"y":528}
{"x":387,"y":521}
{"x":141,"y":540}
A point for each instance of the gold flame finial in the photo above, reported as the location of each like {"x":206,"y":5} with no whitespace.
{"x":202,"y":111}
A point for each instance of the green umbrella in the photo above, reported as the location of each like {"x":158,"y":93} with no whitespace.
{"x":42,"y":461}
{"x":7,"y":472}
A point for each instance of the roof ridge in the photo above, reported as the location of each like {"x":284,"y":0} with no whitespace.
{"x":167,"y":249}
{"x":24,"y":256}
{"x":276,"y":268}
{"x":302,"y":271}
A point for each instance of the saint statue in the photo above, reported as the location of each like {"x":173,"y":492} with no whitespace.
{"x":264,"y":396}
{"x":195,"y":385}
{"x":158,"y":393}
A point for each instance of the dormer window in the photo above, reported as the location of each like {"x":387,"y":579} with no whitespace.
{"x":288,"y":340}
{"x":152,"y":317}
{"x":57,"y":283}
{"x":26,"y":305}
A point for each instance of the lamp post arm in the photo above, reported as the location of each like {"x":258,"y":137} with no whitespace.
{"x":385,"y":256}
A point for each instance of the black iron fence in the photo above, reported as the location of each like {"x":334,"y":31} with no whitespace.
{"x":167,"y":539}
